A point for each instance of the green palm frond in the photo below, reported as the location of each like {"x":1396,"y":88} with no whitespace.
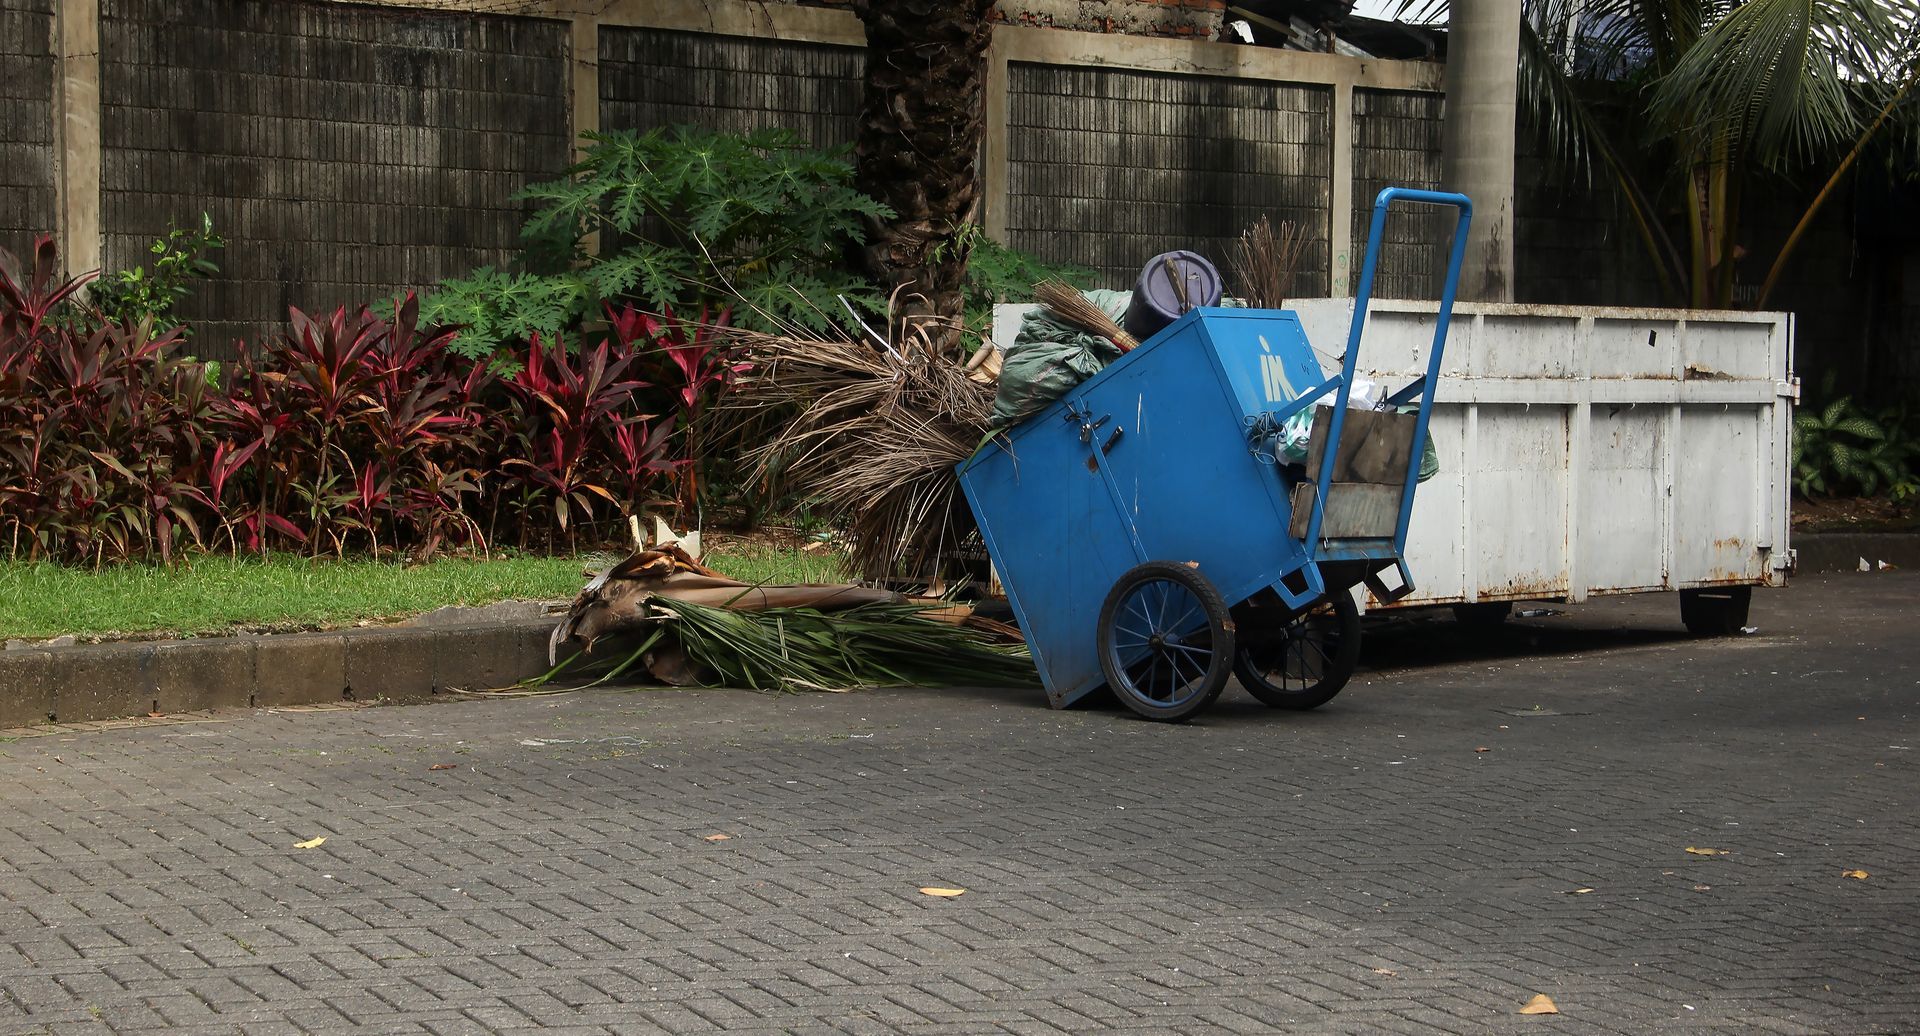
{"x":1785,"y":79}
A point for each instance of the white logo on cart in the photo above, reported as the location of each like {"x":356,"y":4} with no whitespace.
{"x":1273,"y":375}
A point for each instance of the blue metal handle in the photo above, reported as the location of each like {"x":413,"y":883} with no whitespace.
{"x":1360,"y":300}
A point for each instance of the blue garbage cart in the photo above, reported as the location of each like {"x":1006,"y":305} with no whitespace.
{"x":1150,"y":539}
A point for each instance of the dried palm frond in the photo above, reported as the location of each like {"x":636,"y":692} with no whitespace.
{"x":1265,"y":261}
{"x":696,"y":626}
{"x":1069,"y":306}
{"x":867,"y":435}
{"x":618,"y":599}
{"x":872,"y":645}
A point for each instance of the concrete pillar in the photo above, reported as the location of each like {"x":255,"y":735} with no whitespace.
{"x":996,"y":164}
{"x":583,"y":85}
{"x":1341,"y":268}
{"x":76,"y":135}
{"x":1483,"y":55}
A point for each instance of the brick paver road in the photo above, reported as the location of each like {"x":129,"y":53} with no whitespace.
{"x":1364,"y":868}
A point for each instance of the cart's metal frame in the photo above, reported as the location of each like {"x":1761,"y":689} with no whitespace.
{"x":1180,"y":402}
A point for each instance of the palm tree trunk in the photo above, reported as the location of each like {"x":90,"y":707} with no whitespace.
{"x":922,"y":123}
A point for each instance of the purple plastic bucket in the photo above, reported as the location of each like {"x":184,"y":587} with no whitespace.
{"x":1171,"y":284}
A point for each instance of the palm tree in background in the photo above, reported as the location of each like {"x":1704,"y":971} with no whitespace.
{"x":922,"y":123}
{"x":1684,"y":105}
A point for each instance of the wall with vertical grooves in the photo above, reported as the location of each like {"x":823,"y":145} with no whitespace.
{"x":26,"y":123}
{"x":735,"y":84}
{"x":1396,"y":143}
{"x":1110,"y":167}
{"x":344,"y":152}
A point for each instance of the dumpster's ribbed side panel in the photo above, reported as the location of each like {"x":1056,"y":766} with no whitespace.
{"x":1587,"y":451}
{"x":654,"y":77}
{"x":1396,"y":143}
{"x":1109,"y":168}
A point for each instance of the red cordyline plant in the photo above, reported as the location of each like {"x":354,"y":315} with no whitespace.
{"x":101,"y":427}
{"x":703,"y":369}
{"x":347,"y":431}
{"x":564,"y":405}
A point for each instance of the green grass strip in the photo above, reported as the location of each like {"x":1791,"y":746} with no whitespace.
{"x":213,"y":595}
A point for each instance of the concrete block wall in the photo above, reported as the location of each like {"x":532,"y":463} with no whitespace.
{"x":344,"y":152}
{"x":1111,"y":167}
{"x":1575,"y":241}
{"x":27,"y":68}
{"x":1178,"y":18}
{"x":660,"y":77}
{"x":1397,"y":144}
{"x":348,"y":149}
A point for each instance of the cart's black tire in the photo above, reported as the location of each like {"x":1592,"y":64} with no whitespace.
{"x":1182,"y":673}
{"x":1308,"y":662}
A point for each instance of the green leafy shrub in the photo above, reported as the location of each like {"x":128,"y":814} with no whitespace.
{"x":996,"y":273}
{"x":761,"y":223}
{"x":128,"y":297}
{"x":1839,"y":448}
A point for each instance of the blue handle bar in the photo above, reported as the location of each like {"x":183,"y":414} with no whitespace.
{"x":1360,"y":300}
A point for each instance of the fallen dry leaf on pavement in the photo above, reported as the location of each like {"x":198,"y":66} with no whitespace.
{"x":1540,"y":1004}
{"x":1858,"y":875}
{"x":1707,"y":852}
{"x":1703,"y":888}
{"x":718,"y":838}
{"x":1389,"y":972}
{"x":1483,"y":748}
{"x":942,"y":893}
{"x":311,"y":843}
{"x":1580,"y":892}
{"x":444,"y":766}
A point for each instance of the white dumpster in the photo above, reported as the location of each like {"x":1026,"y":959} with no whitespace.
{"x":1588,"y":451}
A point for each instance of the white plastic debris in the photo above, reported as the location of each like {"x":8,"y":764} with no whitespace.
{"x":1864,"y":567}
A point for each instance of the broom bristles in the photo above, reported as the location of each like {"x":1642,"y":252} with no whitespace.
{"x":1265,"y":262}
{"x":1071,"y":307}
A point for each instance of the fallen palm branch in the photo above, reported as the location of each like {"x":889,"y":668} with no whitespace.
{"x":867,"y":434}
{"x":619,"y":600}
{"x":869,"y":645}
{"x":696,"y":626}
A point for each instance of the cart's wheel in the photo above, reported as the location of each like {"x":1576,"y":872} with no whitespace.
{"x":1165,"y":641}
{"x":1304,"y":664}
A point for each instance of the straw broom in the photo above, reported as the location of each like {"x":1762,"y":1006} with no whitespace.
{"x":1265,"y":261}
{"x":1070,"y":307}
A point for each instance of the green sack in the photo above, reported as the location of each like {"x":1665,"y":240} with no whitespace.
{"x":1429,"y":460}
{"x":1048,"y":358}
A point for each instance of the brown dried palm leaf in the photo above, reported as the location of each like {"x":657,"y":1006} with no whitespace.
{"x":872,"y":437}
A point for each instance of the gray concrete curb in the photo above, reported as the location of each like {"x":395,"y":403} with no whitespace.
{"x":1842,"y":551}
{"x":91,"y":682}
